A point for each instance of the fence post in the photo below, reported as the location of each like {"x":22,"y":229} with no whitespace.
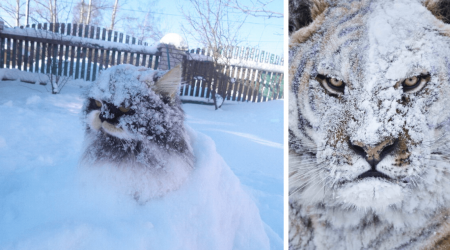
{"x":172,"y":48}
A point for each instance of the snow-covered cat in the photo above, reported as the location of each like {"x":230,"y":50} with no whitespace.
{"x":135,"y":123}
{"x":369,"y":126}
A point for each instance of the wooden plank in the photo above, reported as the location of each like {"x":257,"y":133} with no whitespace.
{"x":8,"y":53}
{"x":245,"y":84}
{"x":31,"y":57}
{"x":84,"y":54}
{"x":114,"y":51}
{"x":184,"y":67}
{"x":266,"y":86}
{"x":230,"y":84}
{"x":156,"y":58}
{"x":83,"y":63}
{"x":90,"y":52}
{"x":74,"y":30}
{"x":144,"y":59}
{"x":80,"y":30}
{"x":102,"y":51}
{"x":253,"y":82}
{"x":37,"y":60}
{"x":86,"y":31}
{"x":63,"y":28}
{"x":188,"y":65}
{"x":238,"y":85}
{"x":251,"y":85}
{"x":195,"y":72}
{"x":276,"y":90}
{"x":66,"y":52}
{"x":26,"y":55}
{"x":78,"y":52}
{"x":120,"y":54}
{"x":96,"y":58}
{"x":42,"y":61}
{"x":269,"y":86}
{"x":280,"y":93}
{"x":61,"y":60}
{"x":19,"y":54}
{"x":94,"y":67}
{"x":54,"y":59}
{"x":209,"y":77}
{"x":2,"y":52}
{"x":187,"y":80}
{"x":108,"y":52}
{"x":48,"y":58}
{"x":201,"y":71}
{"x":133,"y":55}
{"x":223,"y":84}
{"x":125,"y":56}
{"x":213,"y":83}
{"x":259,"y":81}
{"x":14,"y":54}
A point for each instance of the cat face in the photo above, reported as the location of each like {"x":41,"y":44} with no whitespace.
{"x":133,"y":115}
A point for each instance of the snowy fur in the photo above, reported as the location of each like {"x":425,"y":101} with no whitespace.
{"x":371,"y":45}
{"x":146,"y":149}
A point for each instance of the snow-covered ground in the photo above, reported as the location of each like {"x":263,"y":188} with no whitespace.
{"x":41,"y":138}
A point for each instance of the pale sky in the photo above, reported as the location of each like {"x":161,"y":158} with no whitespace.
{"x":262,"y":33}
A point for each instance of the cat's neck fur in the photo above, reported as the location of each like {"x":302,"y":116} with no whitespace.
{"x":372,"y":231}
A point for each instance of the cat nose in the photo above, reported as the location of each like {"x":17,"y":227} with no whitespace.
{"x":374,"y":153}
{"x":102,"y":118}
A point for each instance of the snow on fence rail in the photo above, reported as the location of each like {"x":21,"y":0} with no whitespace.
{"x":76,"y":50}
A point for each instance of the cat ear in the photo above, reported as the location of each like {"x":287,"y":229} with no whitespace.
{"x":439,"y":8}
{"x":305,"y":17}
{"x":169,"y":83}
{"x":304,"y":12}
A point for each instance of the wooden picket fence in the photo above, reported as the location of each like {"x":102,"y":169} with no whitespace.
{"x":82,"y":51}
{"x":75,"y":50}
{"x":232,"y":82}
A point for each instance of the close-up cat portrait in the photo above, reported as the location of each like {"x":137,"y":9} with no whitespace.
{"x":369,"y":118}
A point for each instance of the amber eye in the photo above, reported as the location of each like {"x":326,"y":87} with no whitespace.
{"x":415,"y":83}
{"x":411,"y":81}
{"x":332,"y":85}
{"x":98,"y":103}
{"x":123,"y":109}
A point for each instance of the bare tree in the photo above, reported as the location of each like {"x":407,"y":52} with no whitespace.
{"x":144,"y":28}
{"x":255,"y":8}
{"x":27,"y":13}
{"x":13,"y":9}
{"x":90,"y":14}
{"x":215,"y":26}
{"x":113,"y":16}
{"x":52,"y":11}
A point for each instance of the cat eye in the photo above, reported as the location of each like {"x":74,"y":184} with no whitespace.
{"x":123,"y":109}
{"x":331,"y":85}
{"x":415,"y":84}
{"x":98,"y":103}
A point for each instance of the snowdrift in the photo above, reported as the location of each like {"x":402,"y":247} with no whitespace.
{"x":48,"y":202}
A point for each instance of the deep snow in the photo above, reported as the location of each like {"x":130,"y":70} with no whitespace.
{"x":46,"y":202}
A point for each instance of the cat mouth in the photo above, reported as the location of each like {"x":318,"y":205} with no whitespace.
{"x":374,"y":174}
{"x":110,"y":129}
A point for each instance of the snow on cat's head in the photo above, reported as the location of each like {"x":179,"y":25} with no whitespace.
{"x":369,"y":108}
{"x":134,"y":121}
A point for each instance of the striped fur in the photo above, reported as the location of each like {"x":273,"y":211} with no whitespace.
{"x":329,"y":207}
